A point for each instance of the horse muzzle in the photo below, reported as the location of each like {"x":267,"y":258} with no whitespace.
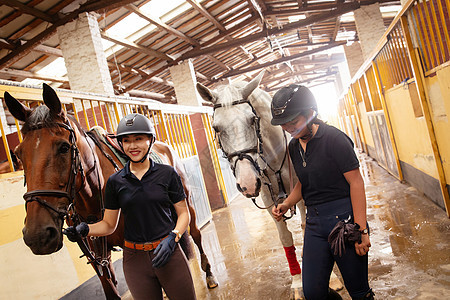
{"x":247,"y":193}
{"x":43,"y":240}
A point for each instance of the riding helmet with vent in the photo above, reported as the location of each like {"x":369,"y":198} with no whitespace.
{"x":134,"y":124}
{"x":291,"y":101}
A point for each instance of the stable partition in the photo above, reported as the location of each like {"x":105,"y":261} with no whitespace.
{"x":400,"y":101}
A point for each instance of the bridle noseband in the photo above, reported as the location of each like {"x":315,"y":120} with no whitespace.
{"x":69,"y":193}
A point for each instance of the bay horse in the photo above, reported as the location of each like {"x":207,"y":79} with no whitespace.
{"x":66,"y":171}
{"x":4,"y":164}
{"x":258,"y":154}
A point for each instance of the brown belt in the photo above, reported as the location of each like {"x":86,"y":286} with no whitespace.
{"x":143,"y":246}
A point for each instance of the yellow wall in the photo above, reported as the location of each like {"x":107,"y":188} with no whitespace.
{"x":439,"y":93}
{"x":366,"y":125}
{"x":410,"y":133}
{"x":23,"y":274}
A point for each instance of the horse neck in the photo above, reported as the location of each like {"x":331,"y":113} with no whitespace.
{"x":273,"y":138}
{"x":90,"y":190}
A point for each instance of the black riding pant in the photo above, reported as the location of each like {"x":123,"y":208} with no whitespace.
{"x":318,"y":258}
{"x":146,"y":282}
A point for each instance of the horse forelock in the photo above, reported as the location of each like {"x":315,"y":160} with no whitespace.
{"x":230,"y":93}
{"x":39,"y":118}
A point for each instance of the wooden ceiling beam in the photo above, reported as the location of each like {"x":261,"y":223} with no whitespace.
{"x":133,"y":46}
{"x":198,"y":7}
{"x":216,"y":23}
{"x":139,"y":72}
{"x":230,"y":31}
{"x":257,"y":9}
{"x":342,"y":9}
{"x":319,"y":7}
{"x":282,"y":83}
{"x":23,"y":8}
{"x":337,"y":24}
{"x":27,"y":74}
{"x":158,"y":23}
{"x":143,"y":80}
{"x":19,"y":52}
{"x":302,"y":72}
{"x":281,"y":60}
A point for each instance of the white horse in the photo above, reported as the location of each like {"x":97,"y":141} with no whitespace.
{"x":257,"y":152}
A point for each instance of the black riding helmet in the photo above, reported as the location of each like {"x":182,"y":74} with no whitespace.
{"x":291,"y":101}
{"x":135,"y":124}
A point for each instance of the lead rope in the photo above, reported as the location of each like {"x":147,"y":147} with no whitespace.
{"x":104,"y":258}
{"x":291,"y":178}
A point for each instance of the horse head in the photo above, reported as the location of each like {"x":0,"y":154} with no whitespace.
{"x":236,"y":124}
{"x":47,"y":153}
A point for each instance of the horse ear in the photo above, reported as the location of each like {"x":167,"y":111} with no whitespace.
{"x":206,"y":94}
{"x":51,"y":100}
{"x":252,"y":85}
{"x":17,"y":109}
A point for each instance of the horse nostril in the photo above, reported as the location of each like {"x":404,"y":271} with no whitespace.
{"x":258,"y":184}
{"x":52,"y":233}
{"x":240,"y":189}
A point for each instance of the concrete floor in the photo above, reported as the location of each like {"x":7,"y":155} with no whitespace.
{"x":409,"y":258}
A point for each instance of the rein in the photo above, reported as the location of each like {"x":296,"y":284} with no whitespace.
{"x":258,"y":149}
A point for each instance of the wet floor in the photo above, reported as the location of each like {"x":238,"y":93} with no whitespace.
{"x":409,"y":258}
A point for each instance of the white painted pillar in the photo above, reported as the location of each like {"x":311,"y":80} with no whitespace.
{"x":370,"y":27}
{"x":354,"y":56}
{"x":184,"y":81}
{"x":85,"y":60}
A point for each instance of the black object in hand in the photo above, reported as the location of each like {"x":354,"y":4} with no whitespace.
{"x":74,"y":233}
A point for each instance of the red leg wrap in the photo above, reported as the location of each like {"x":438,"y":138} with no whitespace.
{"x":294,"y":266}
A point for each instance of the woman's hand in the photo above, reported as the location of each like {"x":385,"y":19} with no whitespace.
{"x":279,"y":210}
{"x":294,"y":197}
{"x":363,"y":248}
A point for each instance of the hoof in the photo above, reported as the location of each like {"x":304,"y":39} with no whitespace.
{"x":335,"y":282}
{"x":297,"y":294}
{"x":297,"y":288}
{"x":211,"y":282}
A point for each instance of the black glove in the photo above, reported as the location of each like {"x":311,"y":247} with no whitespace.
{"x":164,"y":250}
{"x":75,"y":233}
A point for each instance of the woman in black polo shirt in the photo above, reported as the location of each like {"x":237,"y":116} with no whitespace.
{"x":144,"y":192}
{"x":331,"y":184}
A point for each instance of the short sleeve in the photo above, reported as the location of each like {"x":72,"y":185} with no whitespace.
{"x":111,"y":199}
{"x":176,"y":190}
{"x":343,"y":153}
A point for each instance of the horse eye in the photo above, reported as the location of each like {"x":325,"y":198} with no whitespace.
{"x":216,"y":129}
{"x":64,"y":148}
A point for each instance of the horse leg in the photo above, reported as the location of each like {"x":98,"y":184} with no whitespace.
{"x":302,"y":209}
{"x":294,"y":266}
{"x":108,"y":280}
{"x":211,"y":280}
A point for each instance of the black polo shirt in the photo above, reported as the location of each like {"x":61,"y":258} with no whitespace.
{"x":146,"y":203}
{"x":329,"y":154}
